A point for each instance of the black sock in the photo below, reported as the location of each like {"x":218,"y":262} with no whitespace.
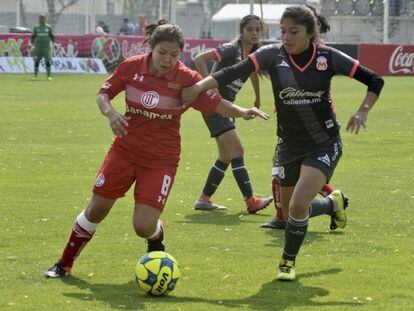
{"x":48,"y":67}
{"x":321,"y":207}
{"x":215,"y":177}
{"x":36,"y":67}
{"x":242,"y":177}
{"x":295,"y":232}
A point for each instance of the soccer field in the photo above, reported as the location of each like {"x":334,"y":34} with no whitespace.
{"x":53,"y":140}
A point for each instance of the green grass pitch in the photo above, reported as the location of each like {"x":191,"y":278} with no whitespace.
{"x":53,"y":140}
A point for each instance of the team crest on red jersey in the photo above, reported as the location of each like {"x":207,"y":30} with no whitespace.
{"x":100,"y":180}
{"x":150,"y":99}
{"x":321,"y":63}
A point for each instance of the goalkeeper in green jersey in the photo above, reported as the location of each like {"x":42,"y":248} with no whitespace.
{"x":40,"y":42}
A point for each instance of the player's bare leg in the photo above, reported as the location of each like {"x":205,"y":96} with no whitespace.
{"x":310,"y":182}
{"x":82,"y":232}
{"x":148,"y":226}
{"x":230,"y":151}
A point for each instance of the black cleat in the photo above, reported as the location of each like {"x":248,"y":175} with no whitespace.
{"x":274,"y":224}
{"x":157,"y":245}
{"x":57,"y":271}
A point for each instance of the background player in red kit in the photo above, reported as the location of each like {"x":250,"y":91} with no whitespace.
{"x":147,"y":147}
{"x":309,"y":144}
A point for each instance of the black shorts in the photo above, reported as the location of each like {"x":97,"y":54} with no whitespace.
{"x":324,"y":157}
{"x":218,"y":124}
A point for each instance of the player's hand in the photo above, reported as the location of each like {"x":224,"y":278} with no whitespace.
{"x":257,"y":103}
{"x":189,"y":95}
{"x":118,"y":123}
{"x":356,"y":121}
{"x":251,"y":113}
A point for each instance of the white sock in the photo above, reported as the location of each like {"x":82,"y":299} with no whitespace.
{"x":85,"y":223}
{"x":156,"y":233}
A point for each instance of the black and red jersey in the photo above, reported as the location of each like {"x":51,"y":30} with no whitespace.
{"x":228,"y":54}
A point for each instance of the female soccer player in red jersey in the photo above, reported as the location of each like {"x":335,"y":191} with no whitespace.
{"x":279,"y":222}
{"x":223,"y":129}
{"x":147,"y":145}
{"x":309,"y":144}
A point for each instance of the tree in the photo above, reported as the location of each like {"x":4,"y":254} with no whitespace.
{"x":53,"y":13}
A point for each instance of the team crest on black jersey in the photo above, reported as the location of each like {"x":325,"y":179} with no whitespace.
{"x":321,"y":63}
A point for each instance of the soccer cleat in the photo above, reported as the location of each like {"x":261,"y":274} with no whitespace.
{"x":275,"y":223}
{"x":286,"y":271}
{"x":157,"y":245}
{"x":204,"y":204}
{"x":256,"y":204}
{"x":49,"y":78}
{"x":333,"y":224}
{"x":340,"y":202}
{"x":35,"y":78}
{"x":57,"y":271}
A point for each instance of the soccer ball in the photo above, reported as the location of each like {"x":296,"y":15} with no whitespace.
{"x":157,"y":273}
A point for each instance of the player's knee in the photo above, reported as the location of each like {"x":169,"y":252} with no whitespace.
{"x":236,"y":151}
{"x":297,"y":207}
{"x":144,"y":229}
{"x":47,"y":63}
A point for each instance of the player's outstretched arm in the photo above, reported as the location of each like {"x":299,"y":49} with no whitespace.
{"x":228,"y":109}
{"x":117,"y":122}
{"x":190,"y":94}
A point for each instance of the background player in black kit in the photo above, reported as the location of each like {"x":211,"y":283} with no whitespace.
{"x":309,"y":145}
{"x":222,"y":128}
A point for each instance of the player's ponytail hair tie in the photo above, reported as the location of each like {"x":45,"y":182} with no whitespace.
{"x":163,"y":30}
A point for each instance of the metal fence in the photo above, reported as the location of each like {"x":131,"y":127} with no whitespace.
{"x":352,"y":21}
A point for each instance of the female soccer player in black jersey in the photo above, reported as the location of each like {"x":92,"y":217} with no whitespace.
{"x":279,"y":222}
{"x":222,"y":128}
{"x":309,"y":145}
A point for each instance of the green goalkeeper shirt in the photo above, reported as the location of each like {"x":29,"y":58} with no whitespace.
{"x":42,"y":35}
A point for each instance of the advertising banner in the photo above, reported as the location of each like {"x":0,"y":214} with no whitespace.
{"x":20,"y":64}
{"x":387,"y":59}
{"x":111,"y":49}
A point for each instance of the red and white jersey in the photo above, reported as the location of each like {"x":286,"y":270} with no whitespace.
{"x":154,"y":105}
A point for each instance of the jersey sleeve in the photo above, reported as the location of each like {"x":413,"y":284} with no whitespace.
{"x":263,"y":57}
{"x":206,"y":101}
{"x":343,"y":64}
{"x":224,"y":51}
{"x":116,"y":82}
{"x":51,"y":35}
{"x":33,"y":36}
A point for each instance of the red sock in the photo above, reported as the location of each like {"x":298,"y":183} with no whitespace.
{"x":76,"y":243}
{"x":276,"y":198}
{"x":279,"y":214}
{"x":326,"y":190}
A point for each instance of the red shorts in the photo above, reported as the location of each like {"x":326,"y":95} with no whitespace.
{"x":116,"y":176}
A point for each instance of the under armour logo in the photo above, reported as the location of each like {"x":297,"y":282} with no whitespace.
{"x":161,"y":200}
{"x":283,"y":64}
{"x":138,"y":77}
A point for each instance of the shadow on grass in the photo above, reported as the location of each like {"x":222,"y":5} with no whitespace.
{"x":278,"y":236}
{"x":273,"y":295}
{"x":222,"y":218}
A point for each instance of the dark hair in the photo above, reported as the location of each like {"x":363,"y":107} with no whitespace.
{"x":163,"y":30}
{"x":324,"y":26}
{"x":246,"y":19}
{"x":302,"y":15}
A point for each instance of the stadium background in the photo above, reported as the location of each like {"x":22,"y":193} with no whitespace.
{"x":360,"y":28}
